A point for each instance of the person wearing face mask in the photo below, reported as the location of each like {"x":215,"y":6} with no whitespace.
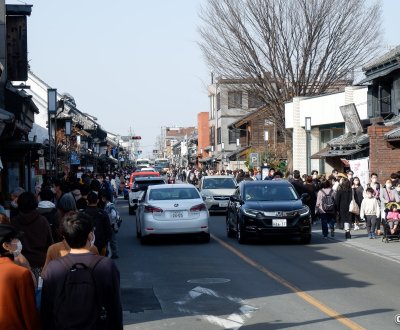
{"x":358,"y":192}
{"x":370,"y":211}
{"x":78,"y":231}
{"x":388,"y":194}
{"x":17,"y":288}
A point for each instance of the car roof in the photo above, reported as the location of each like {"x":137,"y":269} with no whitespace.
{"x":174,"y":186}
{"x":217,"y":177}
{"x":280,"y":182}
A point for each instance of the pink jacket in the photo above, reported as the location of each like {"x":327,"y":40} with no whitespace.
{"x":393,"y":215}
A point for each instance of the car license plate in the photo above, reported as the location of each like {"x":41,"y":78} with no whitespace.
{"x":278,"y":222}
{"x":177,"y":214}
{"x":223,"y":204}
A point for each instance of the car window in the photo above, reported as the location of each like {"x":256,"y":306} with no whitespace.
{"x":219,"y":183}
{"x":145,"y":184}
{"x":269,"y":193}
{"x":174,"y":193}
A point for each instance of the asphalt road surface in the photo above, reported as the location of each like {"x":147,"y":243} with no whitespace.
{"x":181,"y":283}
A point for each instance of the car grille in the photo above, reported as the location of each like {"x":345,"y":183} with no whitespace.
{"x":221,"y":198}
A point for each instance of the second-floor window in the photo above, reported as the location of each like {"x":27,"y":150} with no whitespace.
{"x":233,"y":135}
{"x":234,"y":100}
{"x":255,"y":101}
{"x":212,"y":135}
{"x":219,"y":140}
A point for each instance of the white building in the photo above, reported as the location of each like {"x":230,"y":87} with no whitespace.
{"x":230,"y":100}
{"x":326,"y":122}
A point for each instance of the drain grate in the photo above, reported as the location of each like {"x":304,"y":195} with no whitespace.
{"x":137,"y":300}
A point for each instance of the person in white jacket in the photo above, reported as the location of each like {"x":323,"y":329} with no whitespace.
{"x":370,"y":211}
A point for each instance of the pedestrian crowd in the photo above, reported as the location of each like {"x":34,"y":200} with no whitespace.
{"x":56,"y":247}
{"x":337,"y":200}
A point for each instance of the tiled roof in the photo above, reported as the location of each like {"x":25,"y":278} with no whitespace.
{"x":350,"y":140}
{"x":393,"y":54}
{"x":394,"y":134}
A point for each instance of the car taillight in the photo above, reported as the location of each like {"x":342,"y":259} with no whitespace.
{"x":198,"y":208}
{"x":152,"y":209}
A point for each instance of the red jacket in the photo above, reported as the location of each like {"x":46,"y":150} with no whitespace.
{"x":17,"y":297}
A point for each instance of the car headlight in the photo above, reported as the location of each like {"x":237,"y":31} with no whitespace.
{"x":304,"y":210}
{"x":208,"y":198}
{"x":251,"y":213}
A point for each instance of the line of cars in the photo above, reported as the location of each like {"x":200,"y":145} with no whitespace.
{"x":253,"y":209}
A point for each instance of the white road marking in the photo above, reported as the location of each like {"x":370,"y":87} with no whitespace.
{"x":233,"y":321}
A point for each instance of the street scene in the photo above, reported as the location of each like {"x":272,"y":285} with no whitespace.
{"x":205,"y":164}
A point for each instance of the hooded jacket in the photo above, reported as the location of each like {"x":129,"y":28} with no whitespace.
{"x":49,"y":211}
{"x":37,"y":236}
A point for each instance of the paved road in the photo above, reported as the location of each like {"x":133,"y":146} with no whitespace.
{"x":329,"y":284}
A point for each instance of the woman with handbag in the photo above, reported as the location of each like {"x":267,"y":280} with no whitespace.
{"x":358,"y":192}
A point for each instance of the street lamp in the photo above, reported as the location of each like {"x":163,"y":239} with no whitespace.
{"x":266,"y":137}
{"x":67,"y":133}
{"x":51,"y":110}
{"x":307,"y":127}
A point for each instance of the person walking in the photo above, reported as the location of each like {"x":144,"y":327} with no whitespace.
{"x":17,"y":289}
{"x":370,"y":211}
{"x":325,"y":208}
{"x":112,"y":214}
{"x":81,"y":290}
{"x":342,"y":202}
{"x":358,"y":193}
{"x":37,"y":232}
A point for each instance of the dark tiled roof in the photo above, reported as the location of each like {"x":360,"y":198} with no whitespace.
{"x":394,"y":134}
{"x":349,"y":140}
{"x":394,"y":54}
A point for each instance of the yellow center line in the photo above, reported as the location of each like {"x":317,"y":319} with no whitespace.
{"x":303,"y":295}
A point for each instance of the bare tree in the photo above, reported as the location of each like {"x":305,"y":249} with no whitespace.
{"x":289,"y":48}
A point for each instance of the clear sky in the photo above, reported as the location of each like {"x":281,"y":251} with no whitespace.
{"x":134,"y":64}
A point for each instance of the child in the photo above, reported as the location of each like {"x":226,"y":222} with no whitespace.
{"x":393,"y":218}
{"x":370,"y":211}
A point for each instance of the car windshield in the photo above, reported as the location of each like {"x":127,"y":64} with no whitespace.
{"x":219,"y":183}
{"x":269,"y":193}
{"x":174,"y":193}
{"x":144,"y":184}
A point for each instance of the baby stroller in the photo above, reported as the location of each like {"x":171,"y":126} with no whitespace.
{"x":391,"y":227}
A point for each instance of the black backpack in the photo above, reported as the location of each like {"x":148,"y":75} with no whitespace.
{"x":328,"y":202}
{"x":79,"y":304}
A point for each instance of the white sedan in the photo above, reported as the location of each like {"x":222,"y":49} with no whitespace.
{"x":172,"y":209}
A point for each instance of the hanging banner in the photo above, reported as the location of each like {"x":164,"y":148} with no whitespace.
{"x":360,"y":167}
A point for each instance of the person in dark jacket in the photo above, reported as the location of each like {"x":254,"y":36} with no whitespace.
{"x":297,"y":182}
{"x":342,"y":202}
{"x":48,"y":209}
{"x":37,"y":232}
{"x":101,"y":223}
{"x":77,"y":228}
{"x":358,"y":191}
{"x":310,"y":189}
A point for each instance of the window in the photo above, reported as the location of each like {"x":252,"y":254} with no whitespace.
{"x":255,"y":101}
{"x":233,"y":135}
{"x":212,"y":135}
{"x":219,"y":135}
{"x":234,"y":100}
{"x":218,"y":101}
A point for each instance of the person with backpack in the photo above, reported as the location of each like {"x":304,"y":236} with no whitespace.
{"x":101,"y":223}
{"x":325,"y":207}
{"x":113,"y":216}
{"x":81,"y":290}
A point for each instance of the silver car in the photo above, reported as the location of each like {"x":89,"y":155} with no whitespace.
{"x":216,"y":190}
{"x":172,"y":209}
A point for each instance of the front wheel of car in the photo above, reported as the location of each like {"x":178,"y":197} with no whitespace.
{"x":229,"y":231}
{"x":240,"y":235}
{"x":131,"y":210}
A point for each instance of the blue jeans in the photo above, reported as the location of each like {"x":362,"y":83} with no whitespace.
{"x":327,"y":219}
